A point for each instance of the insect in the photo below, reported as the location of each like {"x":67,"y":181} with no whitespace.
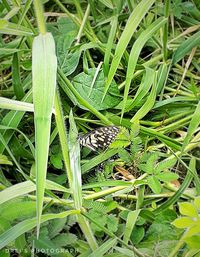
{"x":99,"y":138}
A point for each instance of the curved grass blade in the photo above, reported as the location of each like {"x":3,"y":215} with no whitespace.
{"x":105,"y":247}
{"x":25,"y":137}
{"x":135,"y":52}
{"x":26,"y":225}
{"x":147,"y":106}
{"x":10,"y":28}
{"x":12,"y":119}
{"x":143,"y":88}
{"x":71,"y":91}
{"x":194,"y":123}
{"x":186,"y":47}
{"x":44,"y":67}
{"x":134,"y":20}
{"x":26,"y":187}
{"x":184,"y":185}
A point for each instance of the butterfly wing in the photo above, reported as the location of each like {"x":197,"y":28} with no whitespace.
{"x":99,"y":138}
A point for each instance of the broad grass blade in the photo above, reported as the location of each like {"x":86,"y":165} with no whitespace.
{"x":44,"y":67}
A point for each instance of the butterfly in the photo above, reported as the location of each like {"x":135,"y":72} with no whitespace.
{"x":99,"y":138}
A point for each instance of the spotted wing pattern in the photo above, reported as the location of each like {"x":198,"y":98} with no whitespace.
{"x":99,"y":138}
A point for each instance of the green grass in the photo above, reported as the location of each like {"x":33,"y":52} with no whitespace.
{"x":69,"y":67}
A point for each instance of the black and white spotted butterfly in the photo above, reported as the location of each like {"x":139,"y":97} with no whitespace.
{"x":99,"y":138}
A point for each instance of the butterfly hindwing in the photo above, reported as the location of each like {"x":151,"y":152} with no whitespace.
{"x":99,"y":138}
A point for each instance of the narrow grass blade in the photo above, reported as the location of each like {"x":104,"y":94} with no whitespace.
{"x":143,"y":89}
{"x":10,"y":104}
{"x":98,"y":159}
{"x":74,"y":154}
{"x":167,"y":140}
{"x":73,"y":181}
{"x":76,"y":186}
{"x":44,"y":67}
{"x":81,"y":100}
{"x":62,"y":136}
{"x":26,"y":225}
{"x":104,"y":248}
{"x":186,"y":47}
{"x":12,"y":119}
{"x":147,"y":106}
{"x":135,"y":52}
{"x":3,"y":142}
{"x":10,"y":28}
{"x":26,"y":187}
{"x":25,"y":9}
{"x":18,"y":89}
{"x":95,"y":77}
{"x":130,"y":223}
{"x":184,"y":185}
{"x":25,"y":137}
{"x":196,"y":181}
{"x":165,"y":30}
{"x":194,"y":123}
{"x":109,"y":45}
{"x":185,"y":99}
{"x":134,"y":20}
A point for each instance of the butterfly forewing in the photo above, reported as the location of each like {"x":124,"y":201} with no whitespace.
{"x":99,"y":138}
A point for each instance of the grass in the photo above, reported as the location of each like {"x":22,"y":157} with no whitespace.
{"x":68,"y":67}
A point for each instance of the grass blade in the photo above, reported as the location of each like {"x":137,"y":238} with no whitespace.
{"x":186,"y":47}
{"x":74,"y":154}
{"x":26,"y":225}
{"x":184,"y":185}
{"x":146,"y":106}
{"x":105,"y":247}
{"x":194,"y":123}
{"x":12,"y":119}
{"x":135,"y":52}
{"x":143,"y":89}
{"x":44,"y":67}
{"x":18,"y":89}
{"x":130,"y":223}
{"x":26,"y":187}
{"x":109,"y":45}
{"x":134,"y":20}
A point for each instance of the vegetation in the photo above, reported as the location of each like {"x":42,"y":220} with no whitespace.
{"x":68,"y":67}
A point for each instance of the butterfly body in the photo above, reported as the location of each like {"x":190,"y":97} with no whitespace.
{"x":99,"y":138}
